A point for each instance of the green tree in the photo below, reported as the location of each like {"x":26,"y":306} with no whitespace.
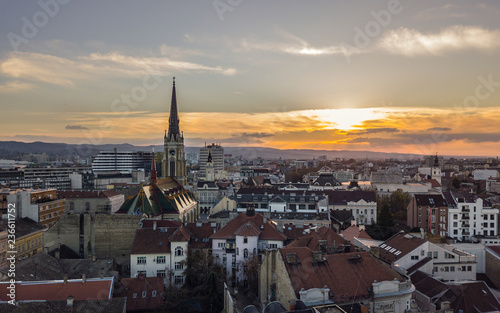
{"x":385,"y":217}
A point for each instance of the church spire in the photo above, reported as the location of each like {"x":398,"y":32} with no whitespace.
{"x":153,"y":174}
{"x":173,"y":121}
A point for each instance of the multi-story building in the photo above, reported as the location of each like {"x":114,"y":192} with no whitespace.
{"x":207,"y":193}
{"x":430,"y":212}
{"x":42,"y":206}
{"x":160,"y":252}
{"x":469,"y":217}
{"x":362,"y":204}
{"x":217,"y":156}
{"x":318,"y":279}
{"x":124,"y":162}
{"x":242,"y":241}
{"x":108,"y":201}
{"x":273,"y":200}
{"x":406,"y":254}
{"x":29,"y":239}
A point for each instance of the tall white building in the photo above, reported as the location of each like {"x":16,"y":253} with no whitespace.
{"x":217,"y":157}
{"x":467,"y":216}
{"x":121,"y":161}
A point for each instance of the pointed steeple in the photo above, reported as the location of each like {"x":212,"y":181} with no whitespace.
{"x":210,"y":155}
{"x":153,"y":174}
{"x":173,"y":121}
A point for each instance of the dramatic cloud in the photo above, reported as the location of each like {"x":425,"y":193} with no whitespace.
{"x":64,"y":72}
{"x":439,"y":129}
{"x":290,"y":44}
{"x":75,"y":127}
{"x":411,"y":42}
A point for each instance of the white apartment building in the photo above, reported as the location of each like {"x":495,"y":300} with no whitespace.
{"x":160,"y":252}
{"x":245,"y":237}
{"x":406,"y":254}
{"x":468,"y":217}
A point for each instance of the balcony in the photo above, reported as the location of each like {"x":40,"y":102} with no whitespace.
{"x":466,"y":217}
{"x":465,"y":224}
{"x":464,"y":210}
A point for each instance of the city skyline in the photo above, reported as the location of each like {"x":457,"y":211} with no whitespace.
{"x":385,"y":76}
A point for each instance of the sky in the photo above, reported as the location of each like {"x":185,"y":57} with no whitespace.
{"x":389,"y":76}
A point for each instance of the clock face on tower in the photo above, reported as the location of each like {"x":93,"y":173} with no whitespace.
{"x":172,"y":152}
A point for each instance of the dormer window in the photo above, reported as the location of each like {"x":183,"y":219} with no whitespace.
{"x":245,"y":239}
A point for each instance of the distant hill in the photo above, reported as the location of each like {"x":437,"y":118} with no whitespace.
{"x":13,"y":149}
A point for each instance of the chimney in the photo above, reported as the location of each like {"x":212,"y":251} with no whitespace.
{"x":353,"y":223}
{"x":84,"y":279}
{"x":154,"y":225}
{"x":69,"y":301}
{"x":361,"y":227}
{"x":65,"y":278}
{"x":250,"y":209}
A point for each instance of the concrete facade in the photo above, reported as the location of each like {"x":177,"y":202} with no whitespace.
{"x":102,"y":235}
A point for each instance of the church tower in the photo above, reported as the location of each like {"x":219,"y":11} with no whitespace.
{"x":209,"y":168}
{"x":436,"y":170}
{"x":174,"y":161}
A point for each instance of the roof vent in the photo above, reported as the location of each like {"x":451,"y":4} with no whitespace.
{"x":354,"y":259}
{"x":318,"y":256}
{"x":291,"y":258}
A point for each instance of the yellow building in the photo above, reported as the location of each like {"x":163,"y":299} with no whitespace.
{"x":29,"y":239}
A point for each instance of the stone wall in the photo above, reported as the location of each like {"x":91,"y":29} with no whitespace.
{"x":105,"y":235}
{"x":274,"y":281}
{"x":493,"y":268}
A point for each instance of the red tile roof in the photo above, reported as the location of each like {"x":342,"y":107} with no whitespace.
{"x":313,"y":238}
{"x":353,"y":231}
{"x":148,"y":223}
{"x":398,"y":246}
{"x":349,"y":276}
{"x":247,"y":229}
{"x":148,"y":241}
{"x":181,"y":234}
{"x":91,"y":289}
{"x":131,"y":286}
{"x":267,"y":230}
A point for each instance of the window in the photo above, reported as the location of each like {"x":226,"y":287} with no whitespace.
{"x":452,"y":268}
{"x":179,"y":266}
{"x":224,"y":259}
{"x":446,"y":269}
{"x":161,"y":273}
{"x":141,"y":260}
{"x":245,"y":253}
{"x":448,"y":256}
{"x":245,"y":239}
{"x":134,"y":295}
{"x":153,"y":293}
{"x":179,"y":280}
{"x":273,"y":246}
{"x":237,"y":251}
{"x":492,"y":224}
{"x":221,"y":245}
{"x":179,"y":251}
{"x":414,"y":257}
{"x":144,"y":294}
{"x":422,"y":252}
{"x":254,"y":251}
{"x":435,"y":269}
{"x":469,"y":268}
{"x":435,"y":255}
{"x":429,"y":255}
{"x":160,"y":259}
{"x":486,"y":216}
